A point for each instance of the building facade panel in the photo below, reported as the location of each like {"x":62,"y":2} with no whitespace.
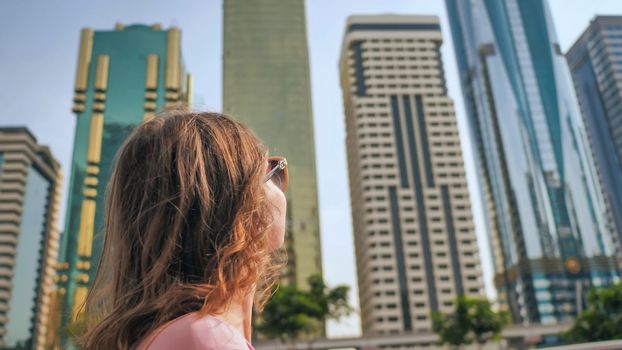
{"x":415,"y":244}
{"x":266,"y":85}
{"x":29,"y":196}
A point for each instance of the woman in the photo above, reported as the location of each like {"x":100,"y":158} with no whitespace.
{"x":195,"y":216}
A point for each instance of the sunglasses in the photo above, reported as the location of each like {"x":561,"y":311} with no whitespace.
{"x":277,"y":172}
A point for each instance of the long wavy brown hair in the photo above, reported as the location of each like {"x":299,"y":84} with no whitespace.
{"x":186,"y":228}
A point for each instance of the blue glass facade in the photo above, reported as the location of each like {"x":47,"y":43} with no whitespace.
{"x":595,"y":62}
{"x":22,"y":304}
{"x":29,"y":194}
{"x":546,"y":216}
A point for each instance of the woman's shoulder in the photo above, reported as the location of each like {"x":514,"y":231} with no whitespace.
{"x":194,"y":332}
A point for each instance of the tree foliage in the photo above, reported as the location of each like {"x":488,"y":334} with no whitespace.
{"x":292,"y":312}
{"x":473,"y":320}
{"x":603,"y":318}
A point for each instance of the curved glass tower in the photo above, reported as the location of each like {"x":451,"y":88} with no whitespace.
{"x":545,"y":213}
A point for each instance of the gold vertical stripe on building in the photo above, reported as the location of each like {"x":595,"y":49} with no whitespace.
{"x":151,"y":82}
{"x":90,"y":192}
{"x":87,"y":224}
{"x":90,"y":181}
{"x":83,"y":278}
{"x":95,"y":138}
{"x":52,"y":338}
{"x":84,"y":60}
{"x":101,"y":74}
{"x":92,"y":170}
{"x":99,"y":96}
{"x":188,"y":89}
{"x":79,"y":296}
{"x":172,"y":59}
{"x":83,"y":265}
{"x":48,"y":316}
{"x":50,"y":324}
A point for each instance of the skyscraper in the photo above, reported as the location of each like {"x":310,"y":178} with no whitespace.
{"x":545,"y":212}
{"x":595,"y":62}
{"x":30,"y":181}
{"x":415,"y":244}
{"x":266,"y":85}
{"x":123,"y":76}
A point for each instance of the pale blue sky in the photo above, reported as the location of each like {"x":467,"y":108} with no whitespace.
{"x":39,"y":44}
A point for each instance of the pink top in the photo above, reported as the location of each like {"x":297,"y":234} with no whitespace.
{"x":192,"y":332}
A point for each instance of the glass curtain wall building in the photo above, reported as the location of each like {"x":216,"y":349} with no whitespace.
{"x":123,"y":77}
{"x":595,"y":62}
{"x":545,"y":212}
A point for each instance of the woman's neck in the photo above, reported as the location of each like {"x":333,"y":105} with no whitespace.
{"x":239,"y":314}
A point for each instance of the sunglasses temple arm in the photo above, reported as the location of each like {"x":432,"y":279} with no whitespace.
{"x":271,"y":174}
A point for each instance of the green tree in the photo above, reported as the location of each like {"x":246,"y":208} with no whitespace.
{"x":473,"y":320}
{"x":602,"y":320}
{"x":292,"y":312}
